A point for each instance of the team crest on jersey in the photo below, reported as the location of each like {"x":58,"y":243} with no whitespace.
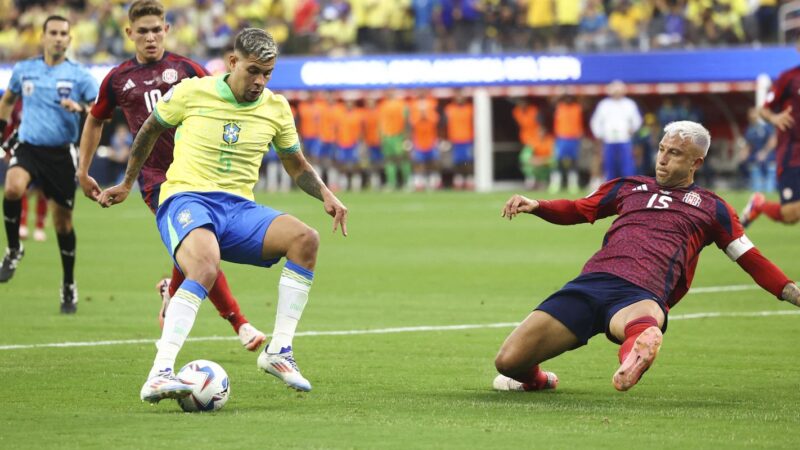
{"x":27,"y":88}
{"x":692,"y":198}
{"x":169,"y":76}
{"x":230,"y":133}
{"x":64,"y":88}
{"x":185,"y":218}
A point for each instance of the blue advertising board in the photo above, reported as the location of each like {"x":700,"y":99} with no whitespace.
{"x":380,"y":72}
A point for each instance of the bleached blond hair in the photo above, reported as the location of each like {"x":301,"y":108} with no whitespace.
{"x":257,"y":43}
{"x":696,"y":133}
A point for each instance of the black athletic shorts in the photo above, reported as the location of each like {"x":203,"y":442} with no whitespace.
{"x":51,"y":168}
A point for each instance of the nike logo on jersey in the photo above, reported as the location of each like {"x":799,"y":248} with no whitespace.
{"x":128,"y":85}
{"x":641,"y":187}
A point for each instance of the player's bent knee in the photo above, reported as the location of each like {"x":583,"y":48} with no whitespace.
{"x":307,"y":242}
{"x":509,"y":363}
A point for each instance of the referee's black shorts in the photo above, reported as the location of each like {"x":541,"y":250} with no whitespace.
{"x":51,"y":168}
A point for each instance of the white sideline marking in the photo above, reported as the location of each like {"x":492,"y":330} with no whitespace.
{"x":384,"y":330}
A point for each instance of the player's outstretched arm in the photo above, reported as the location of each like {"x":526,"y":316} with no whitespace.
{"x":90,"y":139}
{"x":782,"y":120}
{"x":791,"y":294}
{"x":142,"y":146}
{"x":518,"y":204}
{"x":309,"y":181}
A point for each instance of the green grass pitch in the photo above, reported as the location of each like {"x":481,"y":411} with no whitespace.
{"x":410,"y":261}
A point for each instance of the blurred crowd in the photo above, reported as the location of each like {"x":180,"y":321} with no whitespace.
{"x":203,"y":28}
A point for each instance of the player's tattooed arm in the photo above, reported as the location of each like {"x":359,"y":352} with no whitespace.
{"x":142,"y":146}
{"x":303,"y":174}
{"x":791,"y":294}
{"x":307,"y":179}
{"x":310,"y":183}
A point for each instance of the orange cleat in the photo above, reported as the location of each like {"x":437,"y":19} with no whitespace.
{"x":641,"y":357}
{"x":752,"y":210}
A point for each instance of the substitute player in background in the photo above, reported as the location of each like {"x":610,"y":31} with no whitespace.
{"x":136,"y":85}
{"x":55,"y":91}
{"x":206,"y":209}
{"x":782,"y":109}
{"x":644,"y":268}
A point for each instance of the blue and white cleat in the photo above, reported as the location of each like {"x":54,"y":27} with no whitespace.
{"x":283,"y":366}
{"x":164,"y":385}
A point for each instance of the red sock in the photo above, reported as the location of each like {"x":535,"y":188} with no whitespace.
{"x":175,"y":282}
{"x":23,"y":216}
{"x":41,"y":210}
{"x":535,"y":379}
{"x":773,"y":211}
{"x":220,"y":295}
{"x":222,"y":298}
{"x":632,"y":330}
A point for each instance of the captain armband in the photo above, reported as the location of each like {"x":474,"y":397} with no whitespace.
{"x":738,"y":247}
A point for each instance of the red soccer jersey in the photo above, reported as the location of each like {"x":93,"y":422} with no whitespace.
{"x":785,"y":92}
{"x":136,"y":88}
{"x":656,"y":240}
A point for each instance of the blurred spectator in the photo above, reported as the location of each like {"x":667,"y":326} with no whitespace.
{"x":349,"y":133}
{"x":535,"y":160}
{"x":460,"y":134}
{"x":541,"y":21}
{"x":424,"y":121}
{"x":760,"y":141}
{"x":593,"y":28}
{"x":202,"y":28}
{"x":614,"y":122}
{"x":527,"y":117}
{"x":568,"y":130}
{"x":568,"y":16}
{"x":645,"y":143}
{"x":669,"y":112}
{"x":625,"y":22}
{"x":372,"y":140}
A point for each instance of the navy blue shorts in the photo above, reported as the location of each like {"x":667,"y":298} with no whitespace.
{"x":567,"y":149}
{"x":789,"y":185}
{"x":462,"y":153}
{"x":239,"y":224}
{"x":586,"y":304}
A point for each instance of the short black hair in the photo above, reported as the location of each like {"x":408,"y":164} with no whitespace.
{"x":54,"y":18}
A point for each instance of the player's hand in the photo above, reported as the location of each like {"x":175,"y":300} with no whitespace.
{"x":90,"y":187}
{"x":518,"y":204}
{"x":113,"y":195}
{"x":338,"y":211}
{"x":783,"y":120}
{"x":71,"y":105}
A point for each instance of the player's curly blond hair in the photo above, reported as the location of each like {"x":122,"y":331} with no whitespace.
{"x":256,"y":42}
{"x":696,"y":133}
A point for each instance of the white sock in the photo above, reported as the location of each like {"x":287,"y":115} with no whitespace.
{"x":572,"y":181}
{"x":555,"y":181}
{"x":293,"y":290}
{"x":178,"y":322}
{"x":356,"y":181}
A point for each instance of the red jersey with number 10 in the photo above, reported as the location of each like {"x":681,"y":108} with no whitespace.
{"x":655,"y":242}
{"x":136,"y":88}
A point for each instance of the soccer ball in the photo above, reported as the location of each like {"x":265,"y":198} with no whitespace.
{"x":211,"y":388}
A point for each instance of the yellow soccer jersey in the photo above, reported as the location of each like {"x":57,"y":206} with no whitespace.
{"x":219,"y":143}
